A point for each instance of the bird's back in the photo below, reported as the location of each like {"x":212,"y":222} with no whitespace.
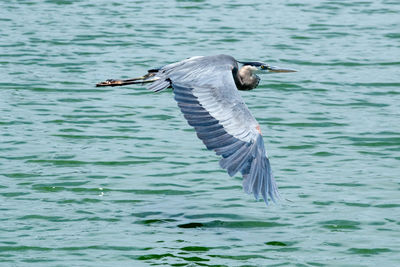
{"x":199,"y":70}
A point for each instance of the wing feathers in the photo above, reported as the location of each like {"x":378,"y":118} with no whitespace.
{"x":235,"y":162}
{"x":237,"y":155}
{"x":229,"y":150}
{"x":211,"y":134}
{"x":219,"y":142}
{"x":207,"y":96}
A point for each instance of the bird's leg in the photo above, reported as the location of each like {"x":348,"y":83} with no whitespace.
{"x":142,"y":79}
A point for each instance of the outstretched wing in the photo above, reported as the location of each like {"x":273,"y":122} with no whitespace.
{"x":207,"y":96}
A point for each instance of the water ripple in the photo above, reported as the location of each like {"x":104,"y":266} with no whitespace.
{"x":115,"y":176}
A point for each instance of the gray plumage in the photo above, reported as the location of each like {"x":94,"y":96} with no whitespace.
{"x":206,"y":90}
{"x":223,"y":122}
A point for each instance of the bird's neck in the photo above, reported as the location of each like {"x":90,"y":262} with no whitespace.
{"x":247,"y":79}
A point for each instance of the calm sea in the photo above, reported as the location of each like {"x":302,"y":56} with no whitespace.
{"x":116,"y":177}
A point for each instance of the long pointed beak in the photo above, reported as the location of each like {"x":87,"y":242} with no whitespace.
{"x":276,"y":69}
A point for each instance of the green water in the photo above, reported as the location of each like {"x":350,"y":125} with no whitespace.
{"x":116,"y":177}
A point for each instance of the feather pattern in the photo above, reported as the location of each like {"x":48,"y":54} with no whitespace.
{"x":206,"y":93}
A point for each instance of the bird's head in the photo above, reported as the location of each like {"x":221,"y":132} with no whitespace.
{"x":260,"y":67}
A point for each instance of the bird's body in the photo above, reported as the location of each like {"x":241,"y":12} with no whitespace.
{"x":206,"y":90}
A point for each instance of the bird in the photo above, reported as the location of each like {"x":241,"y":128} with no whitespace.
{"x":206,"y":89}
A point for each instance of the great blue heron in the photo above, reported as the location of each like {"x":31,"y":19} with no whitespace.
{"x":206,"y":89}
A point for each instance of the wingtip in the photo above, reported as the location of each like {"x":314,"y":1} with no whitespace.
{"x":261,"y":181}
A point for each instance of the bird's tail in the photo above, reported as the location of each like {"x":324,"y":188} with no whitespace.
{"x":148,"y":78}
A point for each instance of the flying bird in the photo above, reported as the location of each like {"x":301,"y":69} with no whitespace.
{"x":206,"y":90}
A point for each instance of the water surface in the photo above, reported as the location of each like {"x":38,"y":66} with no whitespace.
{"x":115,"y":176}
